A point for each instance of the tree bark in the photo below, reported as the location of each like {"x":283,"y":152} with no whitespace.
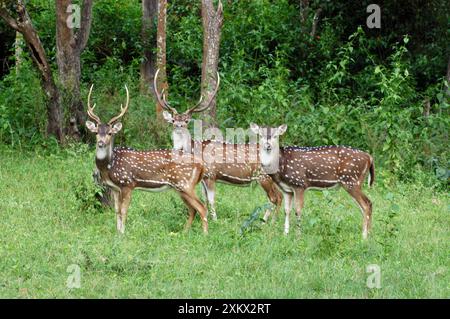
{"x":23,"y":24}
{"x":426,"y":107}
{"x":149,"y":16}
{"x":304,"y":9}
{"x":18,"y":50}
{"x":448,"y":79}
{"x":212,"y":19}
{"x":69,"y":46}
{"x":315,"y":22}
{"x":161,"y":52}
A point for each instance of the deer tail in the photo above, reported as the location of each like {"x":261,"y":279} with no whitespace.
{"x":371,"y":172}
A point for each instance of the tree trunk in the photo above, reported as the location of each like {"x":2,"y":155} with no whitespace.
{"x":18,"y":50}
{"x":426,"y":107}
{"x":161,"y":52}
{"x":23,"y":24}
{"x":212,"y":19}
{"x":304,"y":8}
{"x":448,"y":79}
{"x":149,"y":15}
{"x":54,"y":110}
{"x":315,"y":22}
{"x":69,"y":46}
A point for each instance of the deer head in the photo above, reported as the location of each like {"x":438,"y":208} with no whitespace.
{"x":105,"y":132}
{"x":269,"y":145}
{"x":180,"y":121}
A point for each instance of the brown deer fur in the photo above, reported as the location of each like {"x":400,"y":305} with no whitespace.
{"x":301,"y":168}
{"x":234,"y":168}
{"x":125,"y":169}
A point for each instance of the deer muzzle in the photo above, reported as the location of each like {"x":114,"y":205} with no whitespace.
{"x":101,"y":144}
{"x":267,"y":146}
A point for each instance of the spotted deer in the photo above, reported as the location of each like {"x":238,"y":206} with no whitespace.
{"x":240,"y":171}
{"x":295,"y":169}
{"x":125,"y":169}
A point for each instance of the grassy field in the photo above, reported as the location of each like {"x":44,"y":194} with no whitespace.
{"x":48,"y":223}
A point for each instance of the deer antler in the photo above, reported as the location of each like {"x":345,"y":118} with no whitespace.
{"x":195,"y":109}
{"x":90,"y":111}
{"x":161,"y":98}
{"x":122,"y":109}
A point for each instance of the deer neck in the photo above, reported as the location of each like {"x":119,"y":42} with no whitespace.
{"x":270,"y":159}
{"x":181,"y":139}
{"x":103,"y":156}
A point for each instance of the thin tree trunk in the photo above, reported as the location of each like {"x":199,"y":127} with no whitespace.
{"x":304,"y":8}
{"x":161,"y":52}
{"x":69,"y":46}
{"x":212,"y":19}
{"x":426,"y":107}
{"x":149,"y":15}
{"x":18,"y":50}
{"x":24,"y":25}
{"x":448,"y":79}
{"x":315,"y":22}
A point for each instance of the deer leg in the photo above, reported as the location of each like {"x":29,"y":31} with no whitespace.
{"x":274,"y":196}
{"x":368,"y":216}
{"x":366,"y":208}
{"x":209,"y":188}
{"x":193,"y":201}
{"x":267,"y":215}
{"x":299,"y":196}
{"x":125,"y":198}
{"x":116,"y":196}
{"x":191,"y":212}
{"x":287,"y":210}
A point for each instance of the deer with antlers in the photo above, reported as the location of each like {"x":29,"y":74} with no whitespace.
{"x":235,"y":164}
{"x":295,"y":169}
{"x":124,"y":169}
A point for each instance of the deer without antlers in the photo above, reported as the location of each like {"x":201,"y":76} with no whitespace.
{"x":241,"y":171}
{"x":124,"y":169}
{"x":296,"y":169}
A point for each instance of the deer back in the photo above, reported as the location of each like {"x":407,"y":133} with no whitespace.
{"x":323,"y":166}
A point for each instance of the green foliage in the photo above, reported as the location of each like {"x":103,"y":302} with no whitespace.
{"x":326,"y":226}
{"x":389,"y":223}
{"x":22,"y":108}
{"x":348,"y":85}
{"x":87,"y":195}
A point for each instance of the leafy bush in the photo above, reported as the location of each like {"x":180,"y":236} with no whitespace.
{"x":22,"y":107}
{"x":88,"y":195}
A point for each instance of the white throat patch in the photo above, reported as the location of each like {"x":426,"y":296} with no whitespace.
{"x":102,"y":153}
{"x":181,"y":139}
{"x":270,"y":161}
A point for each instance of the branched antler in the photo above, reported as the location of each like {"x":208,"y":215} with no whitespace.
{"x":122,"y":109}
{"x":90,"y":111}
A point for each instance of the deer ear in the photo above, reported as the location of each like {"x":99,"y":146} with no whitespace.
{"x":254,"y":128}
{"x":167,"y":116}
{"x":281,"y":129}
{"x":91,"y":126}
{"x":116,"y":128}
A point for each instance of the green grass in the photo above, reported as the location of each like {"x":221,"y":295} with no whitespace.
{"x":45,"y":227}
